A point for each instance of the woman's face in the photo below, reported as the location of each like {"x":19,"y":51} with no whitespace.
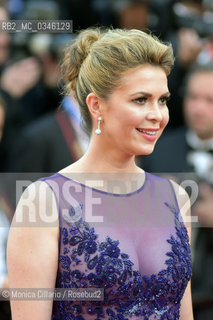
{"x":135,"y":114}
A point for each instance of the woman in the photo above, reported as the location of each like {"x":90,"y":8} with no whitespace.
{"x":125,"y":234}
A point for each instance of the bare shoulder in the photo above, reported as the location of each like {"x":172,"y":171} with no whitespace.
{"x":35,"y":220}
{"x":36,"y":216}
{"x":37,"y":207}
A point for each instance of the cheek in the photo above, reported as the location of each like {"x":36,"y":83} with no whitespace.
{"x":165,"y":118}
{"x":135,"y":118}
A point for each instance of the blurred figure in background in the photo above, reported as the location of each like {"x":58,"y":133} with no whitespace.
{"x":50,"y":142}
{"x":190,"y":31}
{"x":30,"y":84}
{"x":30,"y":87}
{"x":190,"y":149}
{"x":132,"y":14}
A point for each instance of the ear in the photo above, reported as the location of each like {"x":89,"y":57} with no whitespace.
{"x":94,"y":105}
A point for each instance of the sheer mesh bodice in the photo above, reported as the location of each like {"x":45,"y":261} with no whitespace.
{"x":139,"y":253}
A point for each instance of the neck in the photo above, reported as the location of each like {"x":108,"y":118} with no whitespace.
{"x":98,"y":160}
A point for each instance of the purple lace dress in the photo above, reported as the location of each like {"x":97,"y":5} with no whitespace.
{"x":139,"y":253}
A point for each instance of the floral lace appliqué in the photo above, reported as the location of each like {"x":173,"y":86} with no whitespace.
{"x":126,"y":292}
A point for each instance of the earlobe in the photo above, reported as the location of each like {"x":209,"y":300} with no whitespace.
{"x":93,"y":103}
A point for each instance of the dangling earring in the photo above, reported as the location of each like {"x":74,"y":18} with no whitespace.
{"x":98,"y":130}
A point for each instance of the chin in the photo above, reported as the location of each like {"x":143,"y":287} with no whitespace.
{"x":146,"y":151}
{"x":204,"y":135}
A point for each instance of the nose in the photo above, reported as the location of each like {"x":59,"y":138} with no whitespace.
{"x":155,"y":114}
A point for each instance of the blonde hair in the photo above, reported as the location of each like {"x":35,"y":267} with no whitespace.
{"x":95,"y":61}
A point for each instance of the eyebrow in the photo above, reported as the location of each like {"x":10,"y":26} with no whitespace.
{"x":166,"y":94}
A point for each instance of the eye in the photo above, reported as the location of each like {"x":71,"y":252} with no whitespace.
{"x":141,"y":100}
{"x":164,"y":100}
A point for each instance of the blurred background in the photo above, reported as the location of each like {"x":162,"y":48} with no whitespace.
{"x":37,"y":136}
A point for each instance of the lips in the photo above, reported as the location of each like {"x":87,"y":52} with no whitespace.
{"x":148,"y":131}
{"x":149,"y":134}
